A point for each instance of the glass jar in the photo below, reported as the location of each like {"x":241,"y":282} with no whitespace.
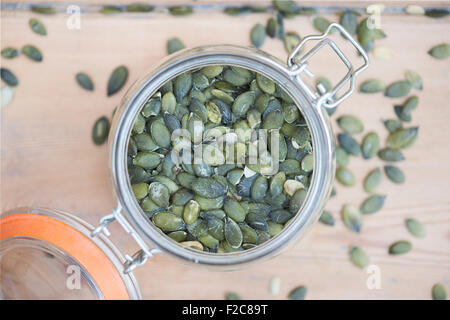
{"x":289,"y":77}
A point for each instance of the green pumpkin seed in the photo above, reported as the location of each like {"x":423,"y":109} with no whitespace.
{"x":265,"y":84}
{"x":159,"y":194}
{"x":400,"y":247}
{"x":138,"y":174}
{"x":436,"y":13}
{"x":43,"y":9}
{"x":168,"y":222}
{"x":117,"y":80}
{"x":286,"y":6}
{"x":415,"y":79}
{"x":234,"y":210}
{"x":398,"y":89}
{"x":327,"y":218}
{"x":297,"y":200}
{"x":232,"y":296}
{"x":274,"y":120}
{"x":274,"y":228}
{"x":233,"y":233}
{"x":238,"y":76}
{"x":394,"y":174}
{"x":392,"y":125}
{"x":139,"y":125}
{"x":298,"y":293}
{"x":438,"y":292}
{"x":208,"y":188}
{"x":249,"y":235}
{"x":291,"y":41}
{"x":213,"y":111}
{"x":178,"y":236}
{"x":342,"y":158}
{"x":111,"y":9}
{"x":140,"y":190}
{"x":147,"y":160}
{"x":410,"y":104}
{"x":180,"y":10}
{"x":9,"y":77}
{"x":372,"y":86}
{"x":403,"y":138}
{"x":403,"y":116}
{"x":349,"y":21}
{"x":280,"y":216}
{"x":366,"y":34}
{"x":370,"y":145}
{"x":10,"y":53}
{"x":32,"y":52}
{"x":349,"y":144}
{"x":416,"y":228}
{"x":258,"y":35}
{"x":212,"y":71}
{"x":441,"y":51}
{"x":373,"y":204}
{"x":308,"y":163}
{"x":359,"y":257}
{"x":182,"y":85}
{"x":84,"y":81}
{"x":100,"y":130}
{"x":345,"y":177}
{"x":352,"y":218}
{"x":139,"y":7}
{"x":174,"y":45}
{"x":372,"y":180}
{"x":350,"y":124}
{"x":209,"y":204}
{"x":390,"y":155}
{"x":276,"y":183}
{"x":160,"y":134}
{"x":242,"y":103}
{"x":191,"y":212}
{"x":321,"y":24}
{"x":259,"y":188}
{"x":37,"y":26}
{"x":272,"y":28}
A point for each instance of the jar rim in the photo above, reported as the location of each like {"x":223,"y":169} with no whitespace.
{"x":258,"y":61}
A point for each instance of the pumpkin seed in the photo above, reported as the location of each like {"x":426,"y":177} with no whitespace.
{"x":159,"y":194}
{"x":10,"y":53}
{"x":140,"y":190}
{"x":436,"y":12}
{"x":297,"y":200}
{"x":415,"y":79}
{"x":291,"y":186}
{"x":174,"y":45}
{"x":366,"y":34}
{"x":286,"y":6}
{"x":117,"y":80}
{"x":298,"y":293}
{"x":211,"y":71}
{"x":280,"y":216}
{"x":147,"y":160}
{"x":139,"y":7}
{"x":352,"y":218}
{"x":43,"y":9}
{"x":416,"y":228}
{"x":111,"y":9}
{"x":390,"y":155}
{"x":233,"y":233}
{"x":258,"y":35}
{"x":441,"y":51}
{"x":372,"y":180}
{"x":84,"y":81}
{"x":349,"y":144}
{"x":259,"y":188}
{"x":180,"y":10}
{"x":373,"y":204}
{"x":370,"y":145}
{"x":208,"y":188}
{"x":181,"y":197}
{"x":359,"y":257}
{"x":402,"y":138}
{"x":234,"y":210}
{"x":349,"y":21}
{"x":209,"y":204}
{"x":350,"y":124}
{"x":9,"y":77}
{"x":400,"y":247}
{"x":37,"y":26}
{"x":392,"y":125}
{"x":291,"y":41}
{"x":394,"y":174}
{"x":232,"y":296}
{"x":308,"y":163}
{"x":345,"y":177}
{"x":342,"y":157}
{"x":6,"y":96}
{"x":438,"y":292}
{"x":182,"y":85}
{"x":320,"y":23}
{"x":327,"y":218}
{"x":242,"y":103}
{"x":276,"y":183}
{"x":100,"y":130}
{"x":272,"y":28}
{"x":178,"y":236}
{"x":398,"y":89}
{"x":372,"y":86}
{"x":32,"y":52}
{"x":168,"y":222}
{"x":191,"y":212}
{"x":160,"y":134}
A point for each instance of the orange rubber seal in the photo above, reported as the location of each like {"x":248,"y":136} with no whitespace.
{"x":71,"y":241}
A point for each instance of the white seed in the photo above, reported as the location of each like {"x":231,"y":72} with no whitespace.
{"x":6,"y":96}
{"x":193,"y":245}
{"x":290,"y":186}
{"x":415,"y":10}
{"x":274,"y":286}
{"x":383,"y":53}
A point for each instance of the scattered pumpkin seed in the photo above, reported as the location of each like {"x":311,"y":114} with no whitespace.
{"x":43,"y":9}
{"x":180,"y":10}
{"x":100,"y":130}
{"x":392,"y":125}
{"x":438,"y":292}
{"x":390,"y":155}
{"x":415,"y":79}
{"x":370,"y":145}
{"x":349,"y":21}
{"x":349,"y":144}
{"x":342,"y":158}
{"x":352,"y":218}
{"x":9,"y":77}
{"x":174,"y":45}
{"x":139,"y":7}
{"x":372,"y":180}
{"x":345,"y":177}
{"x":398,"y":89}
{"x":232,"y":296}
{"x":321,"y":24}
{"x":110,"y":9}
{"x":366,"y":34}
{"x":394,"y":174}
{"x":400,"y":247}
{"x":117,"y":80}
{"x":10,"y":53}
{"x":373,"y":204}
{"x":402,"y":138}
{"x":327,"y":218}
{"x":84,"y":81}
{"x":291,"y":41}
{"x":258,"y":35}
{"x":416,"y":228}
{"x":441,"y":51}
{"x":37,"y":26}
{"x":350,"y":124}
{"x":359,"y":257}
{"x":32,"y":52}
{"x":436,"y":12}
{"x":372,"y":86}
{"x":298,"y":293}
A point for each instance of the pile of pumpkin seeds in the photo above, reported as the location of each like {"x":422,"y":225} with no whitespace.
{"x":220,"y":205}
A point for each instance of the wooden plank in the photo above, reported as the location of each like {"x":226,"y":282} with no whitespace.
{"x":48,"y":159}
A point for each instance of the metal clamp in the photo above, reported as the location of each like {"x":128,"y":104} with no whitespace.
{"x":140,"y":257}
{"x":297,"y":66}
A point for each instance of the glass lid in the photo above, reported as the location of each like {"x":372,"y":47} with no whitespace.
{"x":47,"y":254}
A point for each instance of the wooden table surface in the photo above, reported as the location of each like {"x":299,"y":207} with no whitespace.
{"x":48,"y":158}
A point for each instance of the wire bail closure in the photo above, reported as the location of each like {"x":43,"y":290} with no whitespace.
{"x":299,"y":65}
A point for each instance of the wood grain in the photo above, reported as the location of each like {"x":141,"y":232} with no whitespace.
{"x":48,"y":158}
